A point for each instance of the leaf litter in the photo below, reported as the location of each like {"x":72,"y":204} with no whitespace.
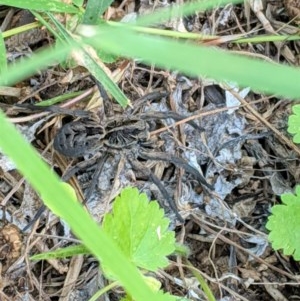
{"x":245,"y":161}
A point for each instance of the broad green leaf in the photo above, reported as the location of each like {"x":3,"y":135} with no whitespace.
{"x":284,"y":225}
{"x":294,"y":123}
{"x":153,"y":283}
{"x":42,"y":5}
{"x":58,"y":199}
{"x":140,"y":230}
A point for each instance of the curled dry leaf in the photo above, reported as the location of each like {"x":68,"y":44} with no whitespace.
{"x":11,"y":244}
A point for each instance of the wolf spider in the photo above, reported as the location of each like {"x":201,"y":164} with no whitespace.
{"x":128,"y":136}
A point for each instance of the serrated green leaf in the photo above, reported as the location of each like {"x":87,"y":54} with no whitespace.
{"x":296,"y":109}
{"x":140,"y":229}
{"x":153,"y":283}
{"x":284,"y":225}
{"x":294,"y":123}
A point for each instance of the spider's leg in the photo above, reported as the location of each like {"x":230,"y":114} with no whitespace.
{"x":99,"y":166}
{"x":172,"y":115}
{"x":35,"y":218}
{"x":148,"y":173}
{"x":79,"y":166}
{"x":177,"y":162}
{"x":69,"y":174}
{"x":98,"y":162}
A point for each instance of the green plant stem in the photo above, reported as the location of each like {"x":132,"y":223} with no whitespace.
{"x":58,"y":99}
{"x":20,"y":29}
{"x":104,"y":290}
{"x":162,"y":32}
{"x":267,"y":38}
{"x":237,"y":39}
{"x":207,"y":291}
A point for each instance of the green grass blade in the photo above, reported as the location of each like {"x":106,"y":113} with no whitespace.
{"x":62,"y":253}
{"x":94,"y":9}
{"x":58,"y":199}
{"x":3,"y":62}
{"x":29,"y":66}
{"x":61,"y":32}
{"x":78,"y":3}
{"x":163,"y":32}
{"x":181,"y":10}
{"x":206,"y":289}
{"x":109,"y":85}
{"x":199,"y":61}
{"x":103,"y":291}
{"x":58,"y":99}
{"x":93,"y":64}
{"x":267,"y":38}
{"x":42,"y":5}
{"x":20,"y":29}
